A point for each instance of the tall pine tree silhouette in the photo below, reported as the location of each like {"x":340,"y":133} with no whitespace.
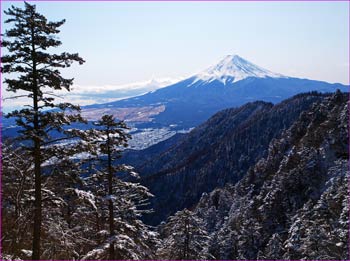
{"x":36,"y":74}
{"x":119,"y":199}
{"x":115,"y":138}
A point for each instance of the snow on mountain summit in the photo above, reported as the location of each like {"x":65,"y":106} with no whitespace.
{"x":234,"y":68}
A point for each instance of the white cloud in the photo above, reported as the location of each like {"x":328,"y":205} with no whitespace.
{"x":90,"y":94}
{"x":151,"y":85}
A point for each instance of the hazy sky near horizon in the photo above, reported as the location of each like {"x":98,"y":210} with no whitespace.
{"x":125,"y":42}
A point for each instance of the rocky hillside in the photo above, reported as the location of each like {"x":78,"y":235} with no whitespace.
{"x":218,"y":152}
{"x":293,"y":203}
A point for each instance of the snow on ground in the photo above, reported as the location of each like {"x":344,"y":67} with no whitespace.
{"x":148,"y":137}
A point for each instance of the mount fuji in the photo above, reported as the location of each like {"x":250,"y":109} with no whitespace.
{"x":234,"y":68}
{"x":232,"y":82}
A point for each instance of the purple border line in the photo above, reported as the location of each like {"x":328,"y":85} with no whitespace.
{"x":348,"y":163}
{"x":1,"y":115}
{"x":258,"y":1}
{"x":179,"y":0}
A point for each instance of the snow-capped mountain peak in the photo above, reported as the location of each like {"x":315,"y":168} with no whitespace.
{"x":233,"y":68}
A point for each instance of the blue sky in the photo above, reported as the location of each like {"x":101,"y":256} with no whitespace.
{"x":126,"y":42}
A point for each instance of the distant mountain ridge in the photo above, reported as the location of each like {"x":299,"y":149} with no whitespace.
{"x":232,"y":82}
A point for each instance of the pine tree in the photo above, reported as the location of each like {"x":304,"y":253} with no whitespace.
{"x":66,"y":205}
{"x":36,"y":69}
{"x":120,"y":204}
{"x":17,"y":200}
{"x":184,"y":237}
{"x":115,"y":138}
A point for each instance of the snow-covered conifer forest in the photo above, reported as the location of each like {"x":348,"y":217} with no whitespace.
{"x":258,"y":181}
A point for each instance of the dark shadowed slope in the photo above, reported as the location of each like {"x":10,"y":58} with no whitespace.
{"x":217,"y":152}
{"x":293,"y":204}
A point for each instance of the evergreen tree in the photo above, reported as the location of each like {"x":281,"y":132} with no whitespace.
{"x":66,"y":204}
{"x":37,"y":75}
{"x":121,"y":234}
{"x":17,"y":180}
{"x":115,"y":138}
{"x":185,"y":237}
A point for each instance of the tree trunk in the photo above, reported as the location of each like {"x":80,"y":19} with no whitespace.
{"x":37,"y":204}
{"x":37,"y":162}
{"x":110,"y":193}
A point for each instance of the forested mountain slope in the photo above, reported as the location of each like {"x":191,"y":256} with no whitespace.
{"x":218,"y":152}
{"x":293,"y":204}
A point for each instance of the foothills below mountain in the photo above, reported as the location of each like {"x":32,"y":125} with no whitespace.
{"x":232,"y":82}
{"x":178,"y":108}
{"x":268,"y":181}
